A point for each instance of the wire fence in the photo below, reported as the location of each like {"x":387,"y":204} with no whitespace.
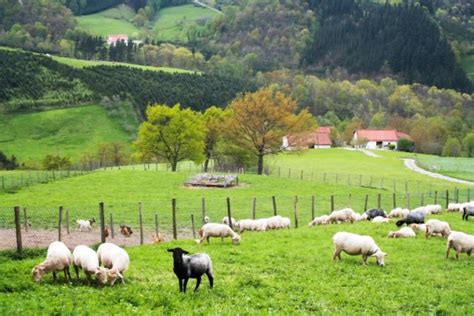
{"x":181,"y":219}
{"x":16,"y":181}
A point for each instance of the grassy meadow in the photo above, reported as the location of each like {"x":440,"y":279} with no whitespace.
{"x":462,"y":168}
{"x":283,"y":272}
{"x":68,"y":132}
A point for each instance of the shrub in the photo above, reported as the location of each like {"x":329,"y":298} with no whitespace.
{"x":406,"y":145}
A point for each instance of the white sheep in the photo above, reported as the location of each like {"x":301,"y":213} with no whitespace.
{"x":225,"y":220}
{"x":84,"y":224}
{"x":344,"y":215}
{"x":398,"y":212}
{"x":86,"y":259}
{"x":355,"y":245}
{"x":252,"y":224}
{"x":321,"y":220}
{"x":455,"y":207}
{"x":275,"y":222}
{"x":434,"y":208}
{"x":58,"y":258}
{"x":261,"y":224}
{"x":422,"y":209}
{"x":461,"y":242}
{"x":434,"y":226}
{"x":402,"y":232}
{"x":419,"y":227}
{"x":285,"y":223}
{"x":217,"y":230}
{"x":114,"y":258}
{"x":380,"y":220}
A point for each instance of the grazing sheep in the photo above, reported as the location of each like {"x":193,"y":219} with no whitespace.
{"x":321,"y":220}
{"x":461,"y":242}
{"x":206,"y":219}
{"x":355,"y":245}
{"x":412,"y":218}
{"x":261,"y":224}
{"x":285,"y":222}
{"x":380,"y":220}
{"x":217,"y":230}
{"x":434,"y":208}
{"x":402,"y":232}
{"x":344,"y":215}
{"x":157,"y":238}
{"x":186,"y":267}
{"x":274,"y":222}
{"x":422,"y":209}
{"x":419,"y":227}
{"x":455,"y":207}
{"x":374,"y":213}
{"x":434,"y":226}
{"x":225,"y":220}
{"x":467,"y":211}
{"x":58,"y":258}
{"x":86,"y":259}
{"x":126,"y":230}
{"x":114,"y":258}
{"x":398,"y":212}
{"x":84,"y":225}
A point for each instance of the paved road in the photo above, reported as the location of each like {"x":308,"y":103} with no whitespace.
{"x":410,"y":164}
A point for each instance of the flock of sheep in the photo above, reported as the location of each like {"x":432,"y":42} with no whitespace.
{"x":116,"y":261}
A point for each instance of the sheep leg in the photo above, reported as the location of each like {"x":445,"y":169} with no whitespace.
{"x":337,"y":254}
{"x":469,"y":253}
{"x":207,"y":238}
{"x":198,"y":282}
{"x":180,"y":285}
{"x":364,"y":259}
{"x":68,"y":273}
{"x":88,"y":276}
{"x":457,"y":254}
{"x":76,"y":268}
{"x":54,"y":275}
{"x":65,"y":274}
{"x":447,"y":252}
{"x":211,"y":279}
{"x":185,"y":284}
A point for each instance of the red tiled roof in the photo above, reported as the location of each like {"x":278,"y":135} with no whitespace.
{"x":380,"y":135}
{"x":319,"y":137}
{"x":117,"y":37}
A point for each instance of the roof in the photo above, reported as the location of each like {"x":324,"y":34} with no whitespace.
{"x":318,"y":137}
{"x":117,"y":37}
{"x":381,"y":135}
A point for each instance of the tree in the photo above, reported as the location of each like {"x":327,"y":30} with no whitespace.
{"x":172,"y":134}
{"x":468,"y":143}
{"x":214,"y":119}
{"x":117,"y":154}
{"x":406,"y":145}
{"x":452,"y":148}
{"x":259,"y":120}
{"x":56,"y":162}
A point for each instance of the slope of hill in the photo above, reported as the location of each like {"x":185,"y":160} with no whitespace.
{"x":67,"y":132}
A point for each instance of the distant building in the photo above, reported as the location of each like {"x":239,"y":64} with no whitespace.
{"x":114,"y":38}
{"x":377,"y":139}
{"x":318,"y":138}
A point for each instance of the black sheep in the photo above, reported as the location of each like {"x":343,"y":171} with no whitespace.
{"x":412,"y":218}
{"x":467,"y":211}
{"x":374,"y":213}
{"x":194,"y":267}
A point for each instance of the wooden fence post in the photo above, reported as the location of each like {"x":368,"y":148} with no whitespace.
{"x":379,"y":201}
{"x":408,"y":201}
{"x":173,"y":209}
{"x":254,"y":208}
{"x":112,"y":233}
{"x":26,"y":219}
{"x":312,"y":207}
{"x":447,"y":198}
{"x":102,"y":222}
{"x":229,"y":213}
{"x":156,"y":225}
{"x":192,"y":226}
{"x":140,"y":221}
{"x":332,"y":203}
{"x":19,"y":244}
{"x":456,"y":191}
{"x":366,"y":203}
{"x":67,"y":222}
{"x":274,"y":206}
{"x":296,"y":211}
{"x":60,"y":222}
{"x":394,"y":200}
{"x":436,"y":197}
{"x":203,"y":209}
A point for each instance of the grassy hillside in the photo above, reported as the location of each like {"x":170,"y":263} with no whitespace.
{"x":171,"y":23}
{"x":468,"y":65}
{"x":462,"y":168}
{"x":287,"y":272}
{"x":81,"y":63}
{"x":66,"y":131}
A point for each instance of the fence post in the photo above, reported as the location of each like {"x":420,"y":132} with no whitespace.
{"x":203,"y":209}
{"x":394,"y":186}
{"x":26,"y":219}
{"x":254,"y":208}
{"x":332,"y":203}
{"x":140,"y":220}
{"x":60,"y":222}
{"x":19,"y":245}
{"x":408,"y":201}
{"x":192,"y":226}
{"x":102,"y":222}
{"x":379,"y":201}
{"x":274,"y":205}
{"x":156,"y":225}
{"x":447,"y":198}
{"x":394,"y":200}
{"x":229,"y":213}
{"x":350,"y":200}
{"x":173,"y":209}
{"x":67,"y":222}
{"x":112,"y":226}
{"x":312,"y":207}
{"x":456,"y":191}
{"x":366,"y":202}
{"x":436,"y":197}
{"x":296,"y":211}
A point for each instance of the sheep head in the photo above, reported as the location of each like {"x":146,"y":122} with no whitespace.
{"x":380,"y":256}
{"x":236,"y":239}
{"x":113,"y":275}
{"x":101,"y":275}
{"x":178,"y":254}
{"x":38,"y":273}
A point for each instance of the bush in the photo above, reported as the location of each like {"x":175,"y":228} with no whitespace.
{"x":391,"y":146}
{"x":406,"y":145}
{"x":452,"y":148}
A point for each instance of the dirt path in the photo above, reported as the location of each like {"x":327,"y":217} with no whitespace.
{"x":364,"y":151}
{"x":410,"y":164}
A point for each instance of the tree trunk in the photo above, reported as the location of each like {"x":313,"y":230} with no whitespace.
{"x":260,"y":164}
{"x":206,"y":164}
{"x":174,"y":165}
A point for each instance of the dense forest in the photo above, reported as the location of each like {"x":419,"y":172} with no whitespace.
{"x":32,"y":81}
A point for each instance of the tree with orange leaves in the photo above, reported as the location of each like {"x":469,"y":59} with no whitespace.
{"x":259,"y":120}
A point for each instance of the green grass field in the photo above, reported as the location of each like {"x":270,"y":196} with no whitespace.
{"x":278,"y":272}
{"x":68,"y":132}
{"x":468,"y":65}
{"x":171,"y":23}
{"x":462,"y":168}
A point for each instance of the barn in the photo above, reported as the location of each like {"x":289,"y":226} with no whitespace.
{"x":377,"y":139}
{"x":318,"y":138}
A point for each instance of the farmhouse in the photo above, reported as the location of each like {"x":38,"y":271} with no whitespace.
{"x":377,"y":139}
{"x":318,"y":138}
{"x":114,"y":38}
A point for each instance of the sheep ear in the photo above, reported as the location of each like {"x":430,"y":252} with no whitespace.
{"x":170,"y":250}
{"x":185,"y":252}
{"x":120,"y":275}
